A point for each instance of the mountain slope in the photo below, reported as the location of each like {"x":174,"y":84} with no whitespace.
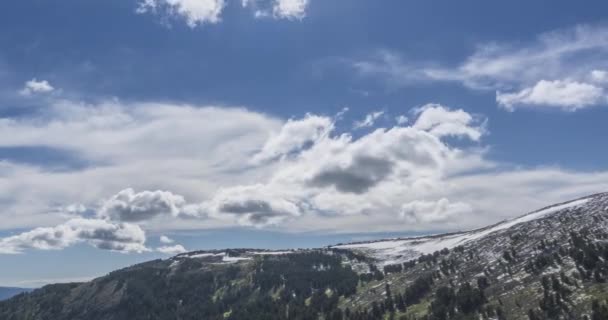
{"x":549,"y":264}
{"x":402,"y":250}
{"x":8,"y":292}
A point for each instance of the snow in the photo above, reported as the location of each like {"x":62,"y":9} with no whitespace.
{"x":234,"y":259}
{"x":271,"y":253}
{"x":401,"y":250}
{"x":204,"y":255}
{"x":225,"y":258}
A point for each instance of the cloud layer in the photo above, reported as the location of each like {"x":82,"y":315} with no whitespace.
{"x":169,"y":167}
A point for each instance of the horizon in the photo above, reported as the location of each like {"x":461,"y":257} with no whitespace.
{"x":136,"y":130}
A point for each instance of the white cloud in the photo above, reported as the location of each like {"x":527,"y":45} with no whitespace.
{"x":599,"y":76}
{"x":189,"y":150}
{"x":278,"y":9}
{"x":101,"y":234}
{"x":564,"y":94}
{"x":294,"y":135}
{"x":433,"y":211}
{"x":339,"y":175}
{"x":176,"y":249}
{"x":34,"y":86}
{"x":401,"y":120}
{"x":312,"y":177}
{"x":290,"y":9}
{"x":369,"y":120}
{"x":542,"y":72}
{"x":166,"y":240}
{"x":561,"y":54}
{"x":195,"y":12}
{"x":439,"y":121}
{"x":253,"y":205}
{"x":199,"y":12}
{"x":133,"y":207}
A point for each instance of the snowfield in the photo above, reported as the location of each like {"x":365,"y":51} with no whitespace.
{"x":393,"y":251}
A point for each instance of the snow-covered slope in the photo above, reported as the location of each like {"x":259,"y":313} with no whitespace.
{"x":399,"y":250}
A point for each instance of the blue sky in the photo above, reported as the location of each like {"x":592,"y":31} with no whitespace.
{"x":286,"y":123}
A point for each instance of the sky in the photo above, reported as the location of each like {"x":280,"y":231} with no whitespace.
{"x":133,"y":130}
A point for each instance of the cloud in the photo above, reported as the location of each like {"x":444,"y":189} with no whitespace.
{"x":166,"y":240}
{"x":133,"y":207}
{"x":439,"y":121}
{"x":190,"y":150}
{"x":102,"y":234}
{"x":290,"y":9}
{"x":195,"y":12}
{"x":176,"y":249}
{"x":278,"y":9}
{"x":433,"y":211}
{"x":252,"y":205}
{"x":599,"y":76}
{"x":401,"y":120}
{"x":309,"y":177}
{"x":564,"y":94}
{"x":541,"y":72}
{"x":358,"y":176}
{"x":34,"y":86}
{"x":294,"y":135}
{"x":341,"y":175}
{"x":200,"y":12}
{"x":368,"y":121}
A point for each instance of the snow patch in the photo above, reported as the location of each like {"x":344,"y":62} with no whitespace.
{"x":401,"y":250}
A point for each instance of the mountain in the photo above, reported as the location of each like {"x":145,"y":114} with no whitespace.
{"x":548,"y":264}
{"x":8,"y":292}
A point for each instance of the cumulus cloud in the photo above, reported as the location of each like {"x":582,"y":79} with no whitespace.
{"x":433,"y":211}
{"x":133,"y":207}
{"x":166,"y":240}
{"x":338,"y":174}
{"x":368,"y":121}
{"x":253,"y":205}
{"x":565,"y":94}
{"x":176,"y":249}
{"x":195,"y":12}
{"x":102,"y":234}
{"x":290,"y":9}
{"x":34,"y":86}
{"x":362,"y":173}
{"x":439,"y":121}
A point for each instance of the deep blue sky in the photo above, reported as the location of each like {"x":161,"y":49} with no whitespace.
{"x":96,"y":51}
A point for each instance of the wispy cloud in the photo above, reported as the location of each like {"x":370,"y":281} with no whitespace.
{"x":563,"y":68}
{"x":369,"y":120}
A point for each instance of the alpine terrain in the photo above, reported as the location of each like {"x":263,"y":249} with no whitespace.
{"x":548,"y":264}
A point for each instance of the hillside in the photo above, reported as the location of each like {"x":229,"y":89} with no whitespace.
{"x":8,"y":292}
{"x":548,"y":264}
